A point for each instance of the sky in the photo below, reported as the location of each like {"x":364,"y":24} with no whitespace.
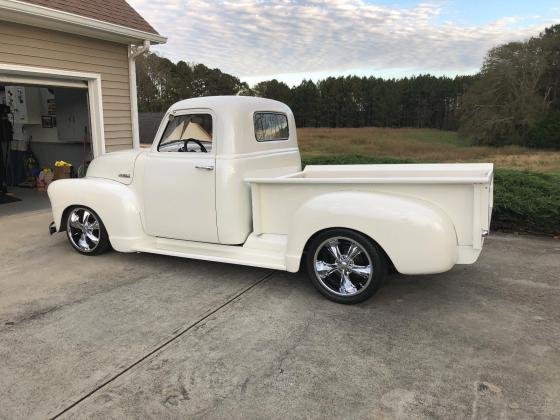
{"x":292,"y":40}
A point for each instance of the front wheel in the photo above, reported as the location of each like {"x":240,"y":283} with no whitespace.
{"x":345,"y":266}
{"x":86,"y":232}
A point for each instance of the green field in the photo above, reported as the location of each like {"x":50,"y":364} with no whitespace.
{"x":425,"y":145}
{"x":526,"y":183}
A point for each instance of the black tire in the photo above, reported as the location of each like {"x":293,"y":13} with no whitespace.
{"x":370,"y":259}
{"x":76,"y":236}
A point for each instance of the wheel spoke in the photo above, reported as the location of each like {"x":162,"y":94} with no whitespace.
{"x":353,"y":252}
{"x":92,"y":237}
{"x":85,"y":216}
{"x":362,"y":270}
{"x":324,"y":269}
{"x":94,"y":225}
{"x":346,"y":285}
{"x":83,"y":243}
{"x":334,"y":250}
{"x":75,"y":223}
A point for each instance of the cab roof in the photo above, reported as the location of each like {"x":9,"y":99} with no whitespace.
{"x":234,"y":125}
{"x":231,"y":104}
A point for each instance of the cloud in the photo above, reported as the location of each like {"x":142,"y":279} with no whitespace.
{"x":252,"y":38}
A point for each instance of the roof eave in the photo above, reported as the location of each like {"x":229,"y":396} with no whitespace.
{"x":34,"y":15}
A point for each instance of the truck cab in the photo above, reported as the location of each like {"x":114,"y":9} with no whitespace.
{"x":202,"y":154}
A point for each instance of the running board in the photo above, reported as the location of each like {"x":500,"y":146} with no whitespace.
{"x":264,"y":251}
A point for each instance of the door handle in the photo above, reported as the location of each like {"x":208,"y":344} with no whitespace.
{"x":205,"y":167}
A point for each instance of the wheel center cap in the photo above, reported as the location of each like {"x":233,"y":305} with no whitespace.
{"x":343,"y":264}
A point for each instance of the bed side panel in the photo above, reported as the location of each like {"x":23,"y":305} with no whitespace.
{"x":418,"y":237}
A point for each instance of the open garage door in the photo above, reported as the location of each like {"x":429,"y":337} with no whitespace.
{"x":15,"y":80}
{"x":47,"y":115}
{"x":12,"y":74}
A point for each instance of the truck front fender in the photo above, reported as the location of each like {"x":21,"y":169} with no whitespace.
{"x":418,"y":237}
{"x":115,"y":203}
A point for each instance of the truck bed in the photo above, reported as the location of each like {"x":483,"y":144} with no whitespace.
{"x":462,"y":191}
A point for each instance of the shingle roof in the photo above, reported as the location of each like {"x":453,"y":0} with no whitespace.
{"x":118,"y":12}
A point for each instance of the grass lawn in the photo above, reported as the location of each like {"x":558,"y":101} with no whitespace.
{"x":426,"y":145}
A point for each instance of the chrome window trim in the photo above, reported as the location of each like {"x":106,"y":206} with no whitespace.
{"x":273,"y":113}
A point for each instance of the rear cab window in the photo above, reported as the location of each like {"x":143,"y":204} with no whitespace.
{"x":271,"y":126}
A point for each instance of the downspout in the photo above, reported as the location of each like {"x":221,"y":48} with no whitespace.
{"x":133,"y":52}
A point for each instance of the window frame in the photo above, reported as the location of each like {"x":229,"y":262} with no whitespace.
{"x":275,"y":113}
{"x":182,"y":112}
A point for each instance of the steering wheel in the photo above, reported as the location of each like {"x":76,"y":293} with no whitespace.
{"x":198,"y":142}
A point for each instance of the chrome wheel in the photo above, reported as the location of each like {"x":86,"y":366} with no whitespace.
{"x":83,"y":229}
{"x":343,"y":266}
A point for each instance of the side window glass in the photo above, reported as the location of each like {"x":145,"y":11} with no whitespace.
{"x":187,"y":133}
{"x":271,"y":126}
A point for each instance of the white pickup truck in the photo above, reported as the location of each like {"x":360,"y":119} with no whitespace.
{"x":223,"y":182}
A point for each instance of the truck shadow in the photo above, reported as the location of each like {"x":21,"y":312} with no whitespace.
{"x":398,"y":288}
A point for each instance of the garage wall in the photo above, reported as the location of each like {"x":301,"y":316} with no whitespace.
{"x":26,"y":45}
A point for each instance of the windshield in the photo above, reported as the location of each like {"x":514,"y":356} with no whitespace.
{"x":187,"y":133}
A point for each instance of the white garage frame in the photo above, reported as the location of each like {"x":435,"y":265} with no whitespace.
{"x":11,"y":73}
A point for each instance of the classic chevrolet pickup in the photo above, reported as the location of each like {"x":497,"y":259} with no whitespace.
{"x":223,"y":182}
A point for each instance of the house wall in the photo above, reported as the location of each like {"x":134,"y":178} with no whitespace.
{"x":26,"y":45}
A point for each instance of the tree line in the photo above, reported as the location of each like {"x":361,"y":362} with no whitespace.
{"x":161,"y":83}
{"x":515,"y":99}
{"x":423,"y":101}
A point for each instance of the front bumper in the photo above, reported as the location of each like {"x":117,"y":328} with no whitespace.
{"x":52,"y":228}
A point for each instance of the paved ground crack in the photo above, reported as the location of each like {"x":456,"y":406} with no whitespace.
{"x":163,"y":345}
{"x":43,"y":312}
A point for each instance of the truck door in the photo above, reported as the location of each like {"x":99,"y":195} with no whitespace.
{"x":179,"y":187}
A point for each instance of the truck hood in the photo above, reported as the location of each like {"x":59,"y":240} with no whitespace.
{"x":118,"y":166}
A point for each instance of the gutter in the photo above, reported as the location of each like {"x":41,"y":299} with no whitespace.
{"x":133,"y":52}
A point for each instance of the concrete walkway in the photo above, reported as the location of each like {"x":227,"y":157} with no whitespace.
{"x":137,"y":335}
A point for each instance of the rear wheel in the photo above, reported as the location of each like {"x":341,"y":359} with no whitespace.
{"x":345,"y":266}
{"x":86,"y":232}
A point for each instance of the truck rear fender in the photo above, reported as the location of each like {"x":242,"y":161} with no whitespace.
{"x":115,"y":203}
{"x":417,"y":236}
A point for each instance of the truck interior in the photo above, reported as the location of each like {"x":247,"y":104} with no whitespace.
{"x":40,"y":125}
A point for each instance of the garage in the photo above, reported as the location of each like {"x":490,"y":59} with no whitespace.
{"x":43,"y":124}
{"x":67,"y":91}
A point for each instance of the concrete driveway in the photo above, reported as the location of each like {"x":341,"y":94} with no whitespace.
{"x":130,"y":335}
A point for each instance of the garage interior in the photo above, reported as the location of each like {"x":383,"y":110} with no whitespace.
{"x":39,"y":126}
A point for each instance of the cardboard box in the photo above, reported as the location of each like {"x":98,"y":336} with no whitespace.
{"x":44,"y":179}
{"x":62,"y":172}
